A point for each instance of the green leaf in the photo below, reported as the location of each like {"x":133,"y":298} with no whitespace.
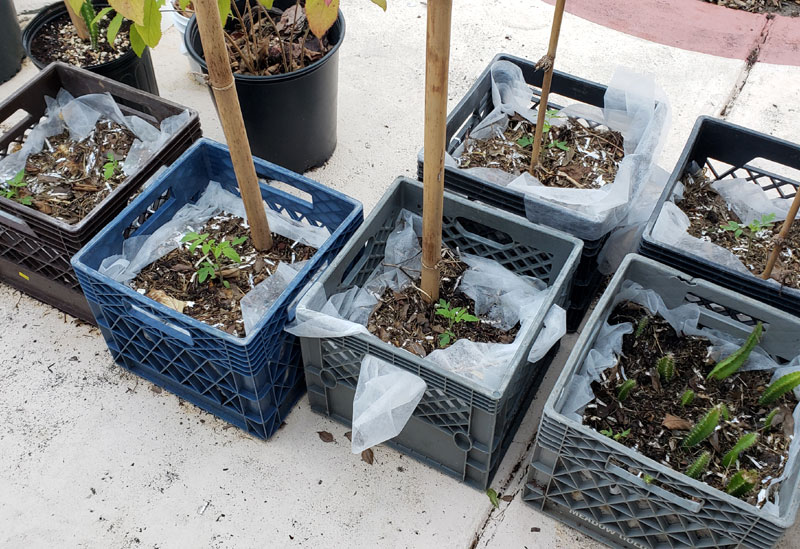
{"x":745,"y":442}
{"x":225,"y":10}
{"x":525,"y":141}
{"x":625,"y":389}
{"x":779,"y":388}
{"x":202,"y":274}
{"x":226,"y":283}
{"x":469,"y":318}
{"x":183,"y":4}
{"x":189,"y":236}
{"x":17,"y":180}
{"x":100,"y":14}
{"x":731,"y":364}
{"x":26,"y":201}
{"x":137,"y":42}
{"x":130,"y":9}
{"x":444,"y":339}
{"x":75,"y":5}
{"x":770,"y":417}
{"x":231,"y":254}
{"x":108,"y":170}
{"x":493,"y":497}
{"x":207,"y":246}
{"x":562,"y":145}
{"x":741,"y":483}
{"x":150,"y":30}
{"x":321,"y":15}
{"x":266,"y":3}
{"x":239,"y":240}
{"x":113,"y":29}
{"x":648,"y":479}
{"x":703,"y":429}
{"x":381,"y":3}
{"x":699,"y":465}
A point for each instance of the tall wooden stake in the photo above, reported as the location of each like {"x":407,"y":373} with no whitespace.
{"x":220,"y":78}
{"x":77,"y":22}
{"x":437,"y":57}
{"x":547,"y":63}
{"x":787,"y":225}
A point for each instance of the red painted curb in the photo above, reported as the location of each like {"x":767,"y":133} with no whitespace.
{"x":696,"y":26}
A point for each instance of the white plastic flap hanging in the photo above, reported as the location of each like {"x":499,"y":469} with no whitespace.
{"x":385,"y":398}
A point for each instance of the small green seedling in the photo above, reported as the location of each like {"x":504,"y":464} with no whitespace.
{"x":549,"y":116}
{"x":770,"y":418}
{"x":780,"y":387}
{"x":703,"y":429}
{"x":453,"y":315}
{"x":744,"y":442}
{"x":733,"y":227}
{"x":110,"y":167}
{"x":15,"y":186}
{"x":616,"y":436}
{"x":648,"y":479}
{"x":687,"y":397}
{"x":559,"y":145}
{"x":625,"y":389}
{"x":730,"y":365}
{"x":492,"y":494}
{"x":525,"y":141}
{"x":751,"y":229}
{"x":208,"y":266}
{"x":641,"y":326}
{"x":699,"y":465}
{"x":741,"y":483}
{"x":666,"y":367}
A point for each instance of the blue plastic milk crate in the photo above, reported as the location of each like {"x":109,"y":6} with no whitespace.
{"x":251,"y":382}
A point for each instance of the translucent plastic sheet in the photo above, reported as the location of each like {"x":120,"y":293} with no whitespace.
{"x":79,"y":116}
{"x":499,"y":295}
{"x":385,"y":398}
{"x":684,"y":320}
{"x":634,"y":106}
{"x":140,"y":251}
{"x":747,"y":200}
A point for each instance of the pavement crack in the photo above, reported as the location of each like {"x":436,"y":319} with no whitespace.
{"x":752,"y":59}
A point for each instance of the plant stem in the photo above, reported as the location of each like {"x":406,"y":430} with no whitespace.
{"x":781,"y":238}
{"x":280,"y":40}
{"x":247,"y":43}
{"x":239,"y":51}
{"x":303,"y":48}
{"x":291,"y":34}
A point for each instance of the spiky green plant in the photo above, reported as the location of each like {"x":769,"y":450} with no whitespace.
{"x":687,"y":397}
{"x":770,"y":418}
{"x":666,"y":367}
{"x":699,"y":465}
{"x":744,"y":442}
{"x":741,"y":483}
{"x":703,"y":429}
{"x":780,"y":387}
{"x":723,"y":410}
{"x":625,"y":389}
{"x":641,"y":326}
{"x":731,"y":364}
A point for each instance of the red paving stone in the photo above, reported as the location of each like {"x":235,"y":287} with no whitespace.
{"x":696,"y":26}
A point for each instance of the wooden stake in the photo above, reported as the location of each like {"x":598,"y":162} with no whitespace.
{"x":787,"y":225}
{"x":77,"y":22}
{"x":547,"y":63}
{"x":437,"y":58}
{"x":220,"y":78}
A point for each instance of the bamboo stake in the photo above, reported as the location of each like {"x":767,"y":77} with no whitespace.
{"x":547,"y":63}
{"x":77,"y":22}
{"x":437,"y":57}
{"x":220,"y":78}
{"x":779,"y":240}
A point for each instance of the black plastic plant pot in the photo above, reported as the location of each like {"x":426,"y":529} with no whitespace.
{"x":11,"y":51}
{"x":290,"y":118}
{"x":129,"y":69}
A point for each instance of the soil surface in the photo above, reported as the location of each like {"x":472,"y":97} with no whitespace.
{"x":172,"y":279}
{"x":658,"y":422}
{"x":66,"y":180}
{"x":576,"y":156}
{"x":782,"y":7}
{"x":409,"y":322}
{"x":263,"y":42}
{"x":708,"y":211}
{"x":59,"y":41}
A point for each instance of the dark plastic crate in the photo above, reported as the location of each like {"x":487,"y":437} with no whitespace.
{"x":727,"y":150}
{"x":458,"y":427}
{"x":35,"y":249}
{"x":251,"y":382}
{"x":590,"y":481}
{"x":473,"y":108}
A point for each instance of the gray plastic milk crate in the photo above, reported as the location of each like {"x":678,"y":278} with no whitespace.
{"x":458,"y":427}
{"x":584,"y":479}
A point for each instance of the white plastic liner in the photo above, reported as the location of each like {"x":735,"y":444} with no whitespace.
{"x":500,"y":296}
{"x":747,"y":200}
{"x":79,"y":116}
{"x":634,"y":106}
{"x":385,"y":398}
{"x":140,"y":251}
{"x":683,"y":319}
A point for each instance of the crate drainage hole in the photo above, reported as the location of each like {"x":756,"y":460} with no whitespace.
{"x":463,"y":441}
{"x":328,"y":379}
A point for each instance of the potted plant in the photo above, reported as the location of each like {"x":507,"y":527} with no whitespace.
{"x":295,"y":66}
{"x":11,"y":52}
{"x":112,"y":42}
{"x":673,"y":420}
{"x":59,"y":197}
{"x":185,"y":299}
{"x":729,"y":201}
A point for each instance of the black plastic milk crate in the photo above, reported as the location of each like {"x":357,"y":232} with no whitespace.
{"x":251,"y":382}
{"x":728,"y":151}
{"x":595,"y":484}
{"x":473,"y":108}
{"x":35,"y":249}
{"x":458,"y":427}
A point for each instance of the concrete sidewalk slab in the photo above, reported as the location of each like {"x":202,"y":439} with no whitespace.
{"x":98,"y":457}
